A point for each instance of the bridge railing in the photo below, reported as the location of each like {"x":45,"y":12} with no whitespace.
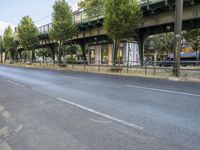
{"x":92,"y":14}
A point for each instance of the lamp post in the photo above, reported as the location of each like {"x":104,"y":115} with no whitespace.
{"x":177,"y":37}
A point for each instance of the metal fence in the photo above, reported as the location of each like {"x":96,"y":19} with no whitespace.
{"x":189,"y":69}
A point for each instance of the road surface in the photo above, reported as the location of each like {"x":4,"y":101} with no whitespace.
{"x":63,"y":110}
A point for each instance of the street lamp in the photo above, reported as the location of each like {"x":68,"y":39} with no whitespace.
{"x":177,"y":37}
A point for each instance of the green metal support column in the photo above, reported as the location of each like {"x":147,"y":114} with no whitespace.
{"x":83,"y":46}
{"x":141,"y":36}
{"x":52,"y":48}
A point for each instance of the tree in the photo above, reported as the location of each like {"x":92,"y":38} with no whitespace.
{"x":122,"y":18}
{"x":161,"y":43}
{"x":44,"y":53}
{"x":1,"y":48}
{"x":9,"y":43}
{"x":28,"y":35}
{"x":92,"y":7}
{"x":164,"y":42}
{"x":193,"y":37}
{"x":63,"y":27}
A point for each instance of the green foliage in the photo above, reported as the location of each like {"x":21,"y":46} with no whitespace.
{"x":122,"y":18}
{"x":193,"y":37}
{"x":163,"y":42}
{"x":71,"y":49}
{"x":1,"y":44}
{"x":43,"y":52}
{"x":25,"y":54}
{"x":92,"y":7}
{"x":27,"y":33}
{"x":63,"y":26}
{"x":8,"y":39}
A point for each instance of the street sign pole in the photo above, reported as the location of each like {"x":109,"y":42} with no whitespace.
{"x":177,"y":37}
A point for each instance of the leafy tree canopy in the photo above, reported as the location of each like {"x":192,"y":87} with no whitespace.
{"x":92,"y":7}
{"x":122,"y":18}
{"x":63,"y":26}
{"x":163,"y":42}
{"x":27,"y":33}
{"x":8,"y":39}
{"x":193,"y":37}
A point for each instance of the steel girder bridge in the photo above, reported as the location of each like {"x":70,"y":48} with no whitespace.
{"x":159,"y":17}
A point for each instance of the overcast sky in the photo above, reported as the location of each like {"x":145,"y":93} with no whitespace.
{"x":11,"y":11}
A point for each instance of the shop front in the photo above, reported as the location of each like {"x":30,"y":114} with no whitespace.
{"x":102,"y":54}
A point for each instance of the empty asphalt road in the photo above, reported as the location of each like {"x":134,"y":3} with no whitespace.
{"x":63,"y":110}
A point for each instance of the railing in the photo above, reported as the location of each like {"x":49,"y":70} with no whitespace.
{"x":189,"y":69}
{"x":82,"y":16}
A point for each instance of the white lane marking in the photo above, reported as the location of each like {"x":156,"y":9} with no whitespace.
{"x":19,"y":128}
{"x":16,"y":83}
{"x":101,"y":114}
{"x":5,"y":146}
{"x":72,"y":77}
{"x":101,"y":121}
{"x":161,"y":90}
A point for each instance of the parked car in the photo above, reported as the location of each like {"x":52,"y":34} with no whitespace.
{"x":167,"y":62}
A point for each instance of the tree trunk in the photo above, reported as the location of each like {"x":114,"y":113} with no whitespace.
{"x":20,"y":55}
{"x":155,"y":62}
{"x":25,"y":56}
{"x":5,"y":56}
{"x":33,"y":55}
{"x":60,"y":52}
{"x":43,"y":55}
{"x":115,"y":50}
{"x":1,"y":57}
{"x":83,"y":45}
{"x":52,"y":53}
{"x":15,"y":55}
{"x":12,"y":55}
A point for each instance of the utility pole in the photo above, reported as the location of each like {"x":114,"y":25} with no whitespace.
{"x":177,"y":37}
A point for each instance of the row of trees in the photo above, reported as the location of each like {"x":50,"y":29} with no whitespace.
{"x":164,"y":43}
{"x":63,"y":28}
{"x":122,"y":19}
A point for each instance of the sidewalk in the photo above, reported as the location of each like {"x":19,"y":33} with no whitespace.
{"x":187,"y":74}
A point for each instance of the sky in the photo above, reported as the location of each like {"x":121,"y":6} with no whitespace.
{"x":12,"y":11}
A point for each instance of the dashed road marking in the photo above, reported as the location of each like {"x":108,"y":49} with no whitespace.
{"x":15,"y":83}
{"x":72,"y":77}
{"x":100,"y":121}
{"x":102,"y":114}
{"x":19,"y":128}
{"x":162,"y":90}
